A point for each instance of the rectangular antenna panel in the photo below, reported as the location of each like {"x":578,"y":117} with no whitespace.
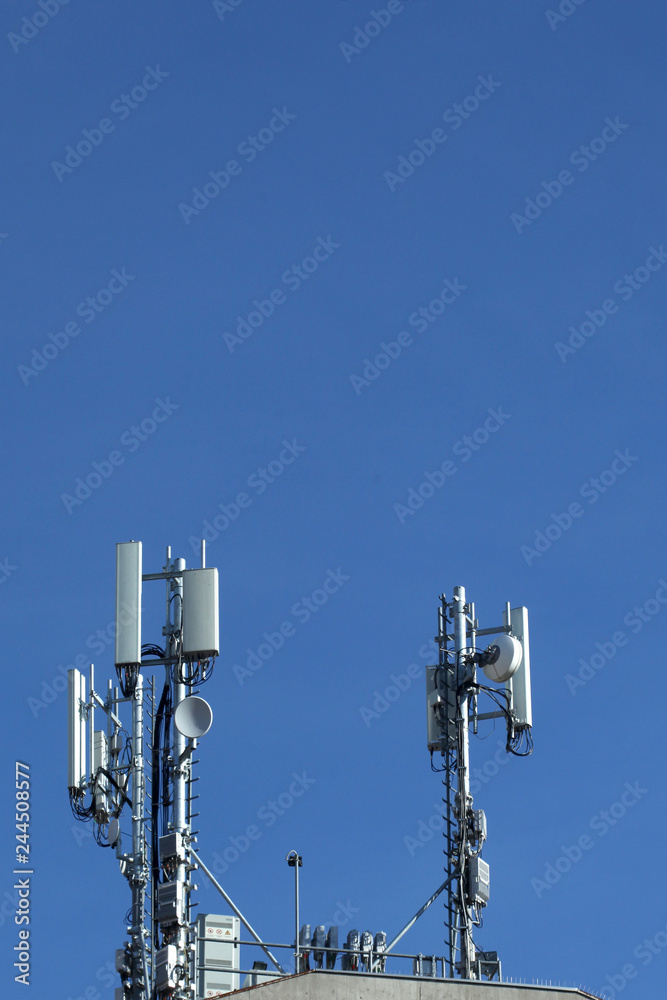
{"x":440,"y":709}
{"x":165,"y":966}
{"x":76,"y":729}
{"x":518,"y":686}
{"x":433,"y":700}
{"x":170,"y":903}
{"x":128,"y":604}
{"x":217,"y":954}
{"x":479,"y":881}
{"x":200,"y":613}
{"x":170,"y":848}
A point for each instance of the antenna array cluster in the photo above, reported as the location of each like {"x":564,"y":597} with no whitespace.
{"x":132,"y":779}
{"x":107,"y":775}
{"x":453,"y":690}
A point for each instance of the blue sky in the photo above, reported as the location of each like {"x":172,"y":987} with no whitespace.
{"x":498,"y":167}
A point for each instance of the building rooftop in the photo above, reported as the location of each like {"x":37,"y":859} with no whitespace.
{"x":336,"y":984}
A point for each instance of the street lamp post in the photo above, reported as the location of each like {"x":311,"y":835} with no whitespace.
{"x":295,"y":861}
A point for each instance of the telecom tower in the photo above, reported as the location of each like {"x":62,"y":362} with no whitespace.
{"x":139,"y":774}
{"x":452,"y":691}
{"x":108,"y":766}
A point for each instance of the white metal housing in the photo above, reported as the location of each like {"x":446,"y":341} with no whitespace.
{"x":518,"y":686}
{"x":128,"y":604}
{"x":216,"y":954}
{"x":200,"y":613}
{"x":170,"y":903}
{"x":479,"y":881}
{"x":166,"y":960}
{"x":76,"y":728}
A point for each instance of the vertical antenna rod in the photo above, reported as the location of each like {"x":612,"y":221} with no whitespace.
{"x":464,"y":797}
{"x":180,"y":765}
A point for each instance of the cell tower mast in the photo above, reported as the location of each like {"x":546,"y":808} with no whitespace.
{"x":452,"y":691}
{"x":158,"y":959}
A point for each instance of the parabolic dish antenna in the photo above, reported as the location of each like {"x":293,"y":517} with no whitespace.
{"x":113,"y":833}
{"x":504,"y":658}
{"x":193,"y":717}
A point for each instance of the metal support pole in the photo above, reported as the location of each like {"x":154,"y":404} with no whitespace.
{"x":464,"y":800}
{"x":414,"y":919}
{"x":91,"y":723}
{"x":297,"y":957}
{"x":180,"y":764}
{"x":295,"y":861}
{"x":138,"y":876}
{"x":238,"y":913}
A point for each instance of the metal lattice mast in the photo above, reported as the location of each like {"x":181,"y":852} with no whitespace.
{"x":110,"y":767}
{"x":180,"y":767}
{"x":450,"y":849}
{"x":452,"y":693}
{"x":138,"y":862}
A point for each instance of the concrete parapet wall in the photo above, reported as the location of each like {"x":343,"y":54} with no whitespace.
{"x":338,"y":985}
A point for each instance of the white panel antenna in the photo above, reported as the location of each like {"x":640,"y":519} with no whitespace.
{"x":128,"y":604}
{"x":518,"y":686}
{"x":200,"y":614}
{"x":76,"y":729}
